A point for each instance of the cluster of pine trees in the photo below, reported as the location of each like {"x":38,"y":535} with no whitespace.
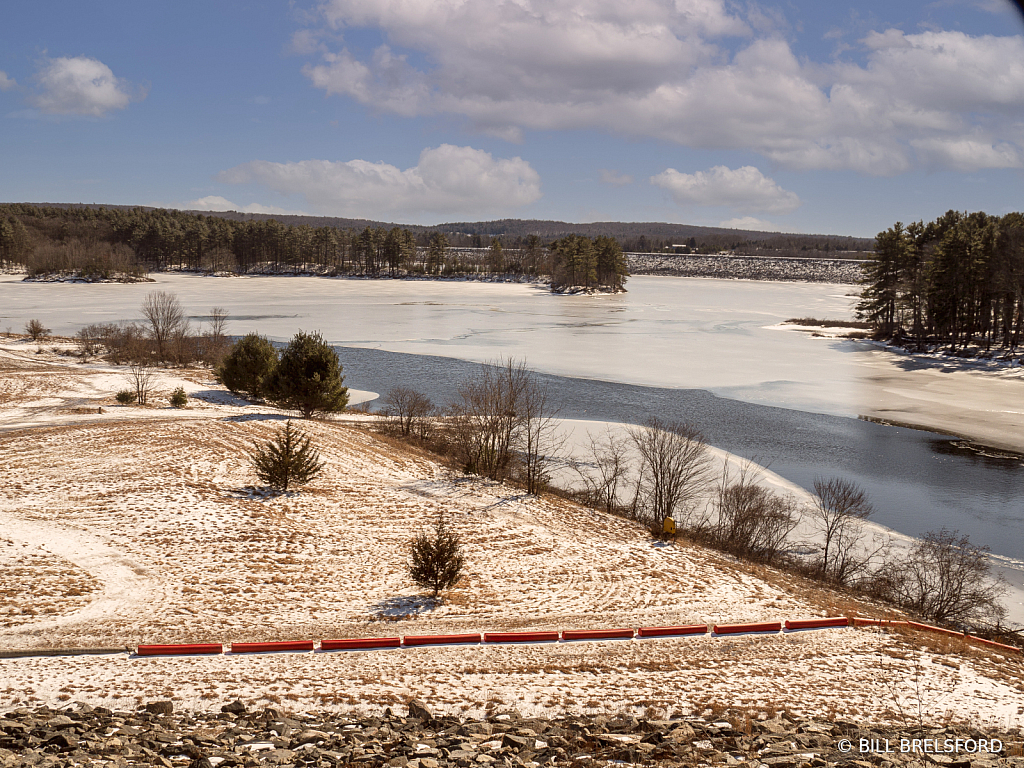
{"x":956,"y":281}
{"x":578,"y":261}
{"x":101,"y":242}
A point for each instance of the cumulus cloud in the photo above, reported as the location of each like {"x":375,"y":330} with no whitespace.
{"x":744,"y":189}
{"x":614,"y":178}
{"x":218,"y":203}
{"x":80,"y":86}
{"x":447,"y":180}
{"x":692,"y":72}
{"x":6,"y":83}
{"x":751,"y":224}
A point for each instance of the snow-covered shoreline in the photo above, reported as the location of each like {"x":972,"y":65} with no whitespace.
{"x":145,"y":518}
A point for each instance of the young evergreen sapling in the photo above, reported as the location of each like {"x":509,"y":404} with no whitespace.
{"x":288,"y":460}
{"x":436,"y":562}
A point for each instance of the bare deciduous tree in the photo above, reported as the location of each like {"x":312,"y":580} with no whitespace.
{"x":485,"y":417}
{"x":840,"y":507}
{"x":604,"y":470}
{"x":945,"y":579}
{"x":752,"y":522}
{"x":36,"y":330}
{"x":407,"y":412}
{"x":140,"y":378}
{"x":537,"y":438}
{"x":503,"y":424}
{"x":165,"y":317}
{"x":674,"y":470}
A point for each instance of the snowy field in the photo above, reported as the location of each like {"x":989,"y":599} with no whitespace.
{"x":137,"y":525}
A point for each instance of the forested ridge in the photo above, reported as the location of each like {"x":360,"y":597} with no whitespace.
{"x":956,"y":282}
{"x":637,"y":237}
{"x":118,"y":243}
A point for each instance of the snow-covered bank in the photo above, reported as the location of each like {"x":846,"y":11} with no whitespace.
{"x":578,"y":437}
{"x":40,"y":385}
{"x":979,"y":400}
{"x":143,"y":531}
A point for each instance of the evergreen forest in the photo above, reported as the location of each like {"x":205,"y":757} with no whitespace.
{"x":956,"y":282}
{"x":95,"y":243}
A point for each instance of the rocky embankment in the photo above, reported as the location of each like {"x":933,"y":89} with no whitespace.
{"x":156,"y":735}
{"x":747,"y":267}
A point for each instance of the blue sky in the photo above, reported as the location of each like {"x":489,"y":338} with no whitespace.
{"x":796,"y":115}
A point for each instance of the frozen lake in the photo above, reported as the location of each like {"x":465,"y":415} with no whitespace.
{"x":665,"y":332}
{"x":694,"y":349}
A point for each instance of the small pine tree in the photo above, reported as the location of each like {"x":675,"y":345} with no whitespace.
{"x":289,"y":459}
{"x":436,"y":562}
{"x":308,"y":377}
{"x":247,"y":368}
{"x":178,"y":398}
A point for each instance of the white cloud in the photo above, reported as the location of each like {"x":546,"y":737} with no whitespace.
{"x":744,"y":189}
{"x":6,"y":83}
{"x":80,"y":86}
{"x":218,"y":203}
{"x":447,"y":180}
{"x":751,"y":224}
{"x":614,"y":178}
{"x":968,"y":154}
{"x":663,"y":69}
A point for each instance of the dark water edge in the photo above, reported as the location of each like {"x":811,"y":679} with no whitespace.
{"x":918,"y":481}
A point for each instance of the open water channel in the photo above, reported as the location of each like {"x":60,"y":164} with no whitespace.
{"x":697,"y":350}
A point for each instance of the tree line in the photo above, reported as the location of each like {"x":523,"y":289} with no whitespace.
{"x":100,"y":243}
{"x":957,"y":281}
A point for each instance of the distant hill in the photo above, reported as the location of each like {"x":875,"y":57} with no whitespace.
{"x":634,"y":236}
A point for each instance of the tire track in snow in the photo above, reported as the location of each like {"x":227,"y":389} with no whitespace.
{"x":129,"y":590}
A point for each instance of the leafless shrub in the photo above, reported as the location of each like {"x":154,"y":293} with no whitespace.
{"x":752,"y":522}
{"x":604,"y":470}
{"x":140,"y":378}
{"x":212,"y":345}
{"x":88,"y":341}
{"x":125,"y":342}
{"x":673,"y":474}
{"x":185,"y":347}
{"x":407,"y":412}
{"x":945,"y":579}
{"x":36,"y":330}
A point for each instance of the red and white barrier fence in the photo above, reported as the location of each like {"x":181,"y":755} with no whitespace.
{"x":468,"y":637}
{"x":520,"y":637}
{"x":736,"y":629}
{"x":274,"y":647}
{"x":689,"y":629}
{"x":364,"y":643}
{"x":179,"y":649}
{"x":553,"y":636}
{"x":597,"y":634}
